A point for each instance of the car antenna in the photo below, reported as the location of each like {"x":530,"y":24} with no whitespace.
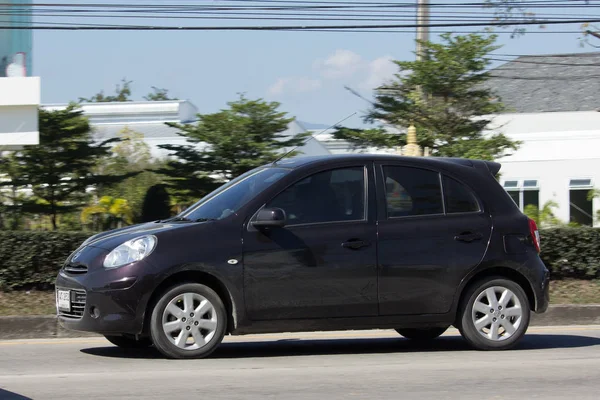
{"x":312,"y":137}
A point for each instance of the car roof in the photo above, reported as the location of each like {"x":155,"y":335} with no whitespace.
{"x":303,"y":161}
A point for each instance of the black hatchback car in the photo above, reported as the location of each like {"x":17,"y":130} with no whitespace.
{"x":318,"y":243}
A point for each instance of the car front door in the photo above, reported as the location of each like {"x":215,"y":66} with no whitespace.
{"x":323,"y":262}
{"x":432,"y":230}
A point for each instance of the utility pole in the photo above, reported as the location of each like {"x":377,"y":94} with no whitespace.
{"x":423,"y":25}
{"x":412,"y":147}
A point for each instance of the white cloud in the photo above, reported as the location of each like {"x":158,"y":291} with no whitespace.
{"x":380,"y":70}
{"x":294,"y":85}
{"x":341,"y":64}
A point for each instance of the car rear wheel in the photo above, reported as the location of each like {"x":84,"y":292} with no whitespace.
{"x":494,"y":314}
{"x":188,"y":321}
{"x":421,"y":334}
{"x":127,"y":342}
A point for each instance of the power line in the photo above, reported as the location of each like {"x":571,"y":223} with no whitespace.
{"x":299,"y":27}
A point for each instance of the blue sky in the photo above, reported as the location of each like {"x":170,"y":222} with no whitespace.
{"x":305,"y":71}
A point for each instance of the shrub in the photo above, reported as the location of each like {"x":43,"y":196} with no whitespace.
{"x":31,"y":260}
{"x":571,"y":252}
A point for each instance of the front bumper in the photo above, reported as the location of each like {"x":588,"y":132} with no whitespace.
{"x":105,"y":301}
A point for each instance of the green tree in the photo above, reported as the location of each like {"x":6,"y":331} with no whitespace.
{"x":122,"y":93}
{"x":226,"y":144}
{"x":131,"y":155}
{"x":594,"y":194}
{"x":11,"y":197}
{"x":444,"y":96}
{"x":158,"y":94}
{"x":517,"y":11}
{"x":157,"y":204}
{"x":59,"y":170}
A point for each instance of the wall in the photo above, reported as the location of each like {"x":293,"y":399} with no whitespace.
{"x":19,"y":101}
{"x":556,"y":147}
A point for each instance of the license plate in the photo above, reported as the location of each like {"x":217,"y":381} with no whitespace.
{"x":63,"y":300}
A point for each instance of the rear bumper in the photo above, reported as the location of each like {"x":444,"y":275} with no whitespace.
{"x":541,"y":288}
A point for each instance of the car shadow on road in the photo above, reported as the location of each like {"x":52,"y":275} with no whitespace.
{"x":6,"y":395}
{"x":309,"y":347}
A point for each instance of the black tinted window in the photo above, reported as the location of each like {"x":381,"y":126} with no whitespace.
{"x":459,"y":198}
{"x":412,"y":191}
{"x":329,"y":196}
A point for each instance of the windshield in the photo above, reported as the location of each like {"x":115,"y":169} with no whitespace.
{"x":230,"y":197}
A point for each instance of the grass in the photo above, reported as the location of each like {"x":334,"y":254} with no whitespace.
{"x":42,"y":303}
{"x":27,"y":303}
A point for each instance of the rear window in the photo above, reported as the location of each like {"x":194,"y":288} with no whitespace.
{"x":459,"y":198}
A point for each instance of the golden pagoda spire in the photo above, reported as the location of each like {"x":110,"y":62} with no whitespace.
{"x":412,"y":147}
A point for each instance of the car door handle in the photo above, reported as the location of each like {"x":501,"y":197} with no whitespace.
{"x":355,"y":244}
{"x":468,"y":237}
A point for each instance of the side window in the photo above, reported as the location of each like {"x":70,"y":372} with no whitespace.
{"x":412,"y":191}
{"x":329,"y":196}
{"x":459,"y":198}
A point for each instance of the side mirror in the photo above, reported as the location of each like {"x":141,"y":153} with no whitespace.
{"x":270,"y":218}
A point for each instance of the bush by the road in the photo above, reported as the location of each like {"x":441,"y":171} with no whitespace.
{"x":571,"y":253}
{"x":31,"y":260}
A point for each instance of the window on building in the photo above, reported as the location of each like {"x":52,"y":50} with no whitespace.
{"x":412,"y":191}
{"x":581,"y":208}
{"x":329,"y":196}
{"x":524,"y":192}
{"x":459,"y":198}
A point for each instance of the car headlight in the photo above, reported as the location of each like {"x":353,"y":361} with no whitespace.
{"x":131,"y":251}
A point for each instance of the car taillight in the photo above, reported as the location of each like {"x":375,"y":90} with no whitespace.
{"x":535,"y":235}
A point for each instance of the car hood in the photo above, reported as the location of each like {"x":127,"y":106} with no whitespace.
{"x":110,"y":239}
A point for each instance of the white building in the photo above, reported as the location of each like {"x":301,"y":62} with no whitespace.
{"x":554,"y":102}
{"x":19,"y":91}
{"x":19,"y":102}
{"x":558,"y":160}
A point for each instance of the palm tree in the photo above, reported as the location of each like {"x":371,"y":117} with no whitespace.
{"x":545,"y":217}
{"x":108,"y":213}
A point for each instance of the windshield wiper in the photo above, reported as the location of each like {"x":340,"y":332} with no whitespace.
{"x":177,"y":219}
{"x":186,"y":219}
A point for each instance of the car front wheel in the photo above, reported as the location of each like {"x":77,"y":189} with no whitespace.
{"x":188,"y":321}
{"x":494,"y":314}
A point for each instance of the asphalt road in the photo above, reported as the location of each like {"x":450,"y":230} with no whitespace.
{"x":551,"y":363}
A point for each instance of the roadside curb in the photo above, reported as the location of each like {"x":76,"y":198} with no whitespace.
{"x":47,"y":326}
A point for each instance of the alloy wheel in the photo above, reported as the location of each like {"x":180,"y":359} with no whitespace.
{"x":497,"y":313}
{"x":189,"y":321}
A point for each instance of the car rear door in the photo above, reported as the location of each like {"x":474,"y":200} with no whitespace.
{"x":432,"y":229}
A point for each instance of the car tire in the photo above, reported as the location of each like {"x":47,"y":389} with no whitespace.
{"x":189,"y":312}
{"x":489,"y":325}
{"x":422,"y":334}
{"x":126,"y":342}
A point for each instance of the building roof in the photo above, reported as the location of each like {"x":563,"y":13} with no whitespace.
{"x":561,"y":82}
{"x":132,"y":112}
